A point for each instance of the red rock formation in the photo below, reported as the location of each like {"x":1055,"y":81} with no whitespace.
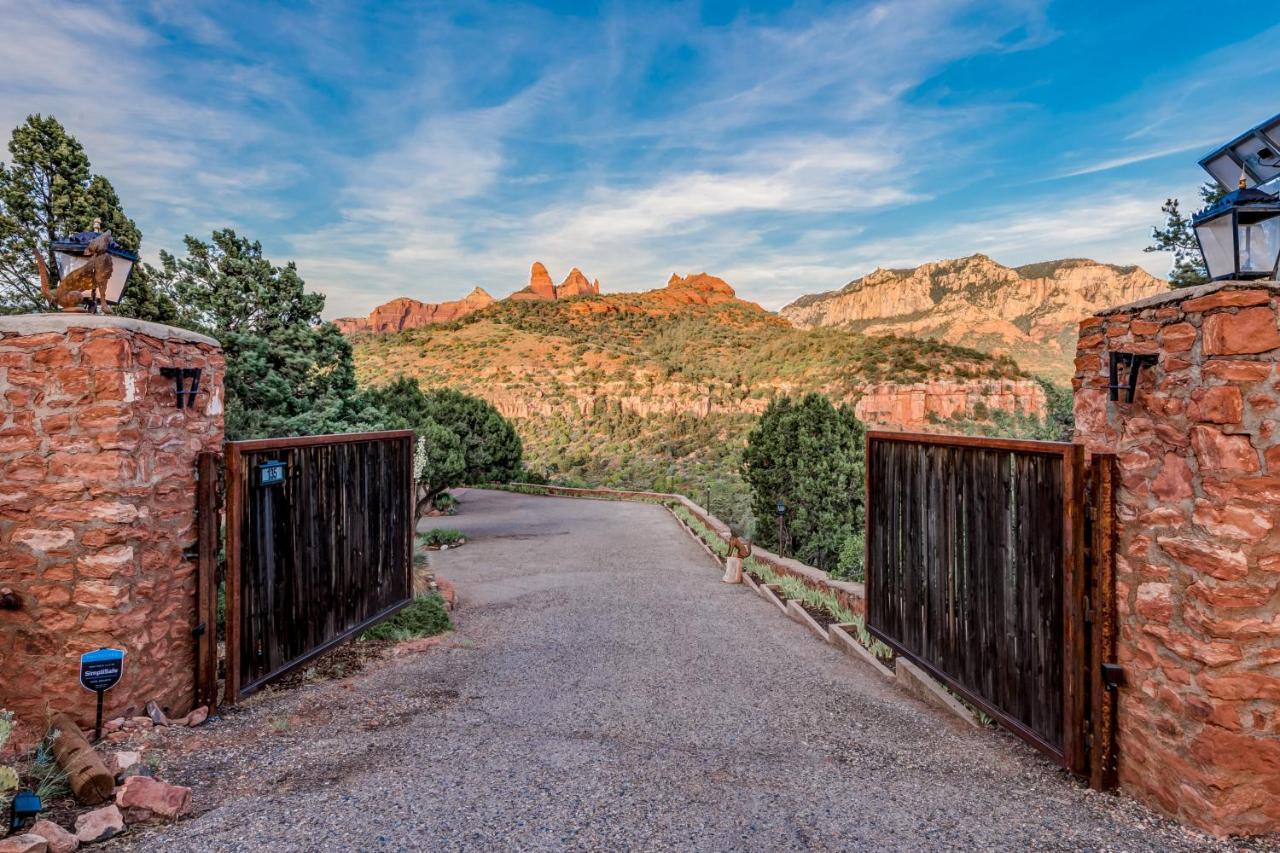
{"x":541,"y":289}
{"x":540,"y":282}
{"x":698,"y":289}
{"x":921,"y":405}
{"x":576,"y":284}
{"x":400,"y":314}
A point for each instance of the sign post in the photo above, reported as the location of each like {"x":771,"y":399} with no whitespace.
{"x":99,"y":672}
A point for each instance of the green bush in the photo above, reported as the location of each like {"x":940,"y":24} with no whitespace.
{"x":425,"y":617}
{"x":441,"y":536}
{"x":849,"y":561}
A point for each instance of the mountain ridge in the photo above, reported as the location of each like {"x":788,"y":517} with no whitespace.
{"x":1029,"y":312}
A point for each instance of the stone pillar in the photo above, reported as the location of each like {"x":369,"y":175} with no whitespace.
{"x":1198,"y":556}
{"x":97,"y":504}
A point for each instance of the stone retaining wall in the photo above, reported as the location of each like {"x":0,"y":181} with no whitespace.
{"x":97,"y":504}
{"x":1198,"y":551}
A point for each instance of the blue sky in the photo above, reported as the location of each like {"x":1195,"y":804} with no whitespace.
{"x":422,"y":149}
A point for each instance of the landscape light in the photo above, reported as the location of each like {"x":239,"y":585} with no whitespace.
{"x":25,"y":805}
{"x":70,"y":254}
{"x":782,"y":507}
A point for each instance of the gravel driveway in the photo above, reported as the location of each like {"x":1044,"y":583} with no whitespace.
{"x":604,"y":691}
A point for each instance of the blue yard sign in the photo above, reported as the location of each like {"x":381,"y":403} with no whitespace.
{"x":99,"y":672}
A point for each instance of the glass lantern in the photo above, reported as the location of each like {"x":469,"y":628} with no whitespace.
{"x":1239,"y":235}
{"x":70,"y":255}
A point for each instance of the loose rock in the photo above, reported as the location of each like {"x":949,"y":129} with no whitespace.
{"x":196,"y":717}
{"x":119,"y":761}
{"x":57,"y":838}
{"x":99,"y":824}
{"x":144,"y":799}
{"x":134,"y":770}
{"x":156,"y":715}
{"x":26,"y":843}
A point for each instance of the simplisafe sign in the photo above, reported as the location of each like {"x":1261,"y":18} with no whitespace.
{"x":101,"y":670}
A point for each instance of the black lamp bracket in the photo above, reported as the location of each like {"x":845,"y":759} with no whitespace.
{"x":1136,"y":361}
{"x":180,"y":375}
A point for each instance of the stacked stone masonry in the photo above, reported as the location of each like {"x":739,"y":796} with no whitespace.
{"x":1198,"y":551}
{"x":97,"y":504}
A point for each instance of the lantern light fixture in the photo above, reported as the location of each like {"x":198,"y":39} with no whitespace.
{"x":1239,"y":235}
{"x":70,"y":253}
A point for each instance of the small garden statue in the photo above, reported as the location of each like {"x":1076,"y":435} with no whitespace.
{"x":739,"y":550}
{"x":87,"y":283}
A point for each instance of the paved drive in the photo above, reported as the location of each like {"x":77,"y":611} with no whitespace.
{"x":604,"y":691}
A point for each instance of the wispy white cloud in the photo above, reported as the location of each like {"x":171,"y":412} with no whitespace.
{"x":418,"y":150}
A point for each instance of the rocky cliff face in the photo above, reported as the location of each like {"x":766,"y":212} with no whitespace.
{"x":400,"y":314}
{"x":917,"y":406}
{"x":1030,"y":312}
{"x":541,"y":288}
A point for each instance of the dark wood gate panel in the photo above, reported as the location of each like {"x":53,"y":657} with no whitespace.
{"x":975,"y":571}
{"x":318,"y":557}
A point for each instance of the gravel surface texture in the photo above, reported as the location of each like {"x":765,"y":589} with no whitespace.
{"x":604,"y":691}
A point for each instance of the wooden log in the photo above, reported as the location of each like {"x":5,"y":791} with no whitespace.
{"x":87,"y":775}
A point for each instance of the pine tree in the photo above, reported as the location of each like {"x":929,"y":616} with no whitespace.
{"x":47,"y":192}
{"x":1178,"y":237}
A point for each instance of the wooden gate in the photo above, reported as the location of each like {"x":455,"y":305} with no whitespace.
{"x":319,"y":546}
{"x":977,"y":572}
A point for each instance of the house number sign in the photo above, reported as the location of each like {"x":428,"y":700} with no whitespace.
{"x":272,"y":473}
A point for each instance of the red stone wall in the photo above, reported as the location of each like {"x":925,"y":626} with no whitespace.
{"x":97,"y":503}
{"x":1198,"y":557}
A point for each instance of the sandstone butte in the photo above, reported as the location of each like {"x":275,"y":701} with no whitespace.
{"x":403,"y":313}
{"x":1030,"y":313}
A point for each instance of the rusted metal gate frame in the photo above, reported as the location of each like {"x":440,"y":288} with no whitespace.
{"x":1088,"y":623}
{"x":1101,"y":611}
{"x":208,"y":526}
{"x":236,"y":482}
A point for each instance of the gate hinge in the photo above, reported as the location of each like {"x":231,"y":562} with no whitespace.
{"x":1113,"y":676}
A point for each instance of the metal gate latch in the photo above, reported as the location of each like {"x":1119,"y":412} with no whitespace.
{"x":1113,"y":676}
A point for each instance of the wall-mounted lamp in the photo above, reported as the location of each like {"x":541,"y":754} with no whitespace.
{"x":1136,"y":361}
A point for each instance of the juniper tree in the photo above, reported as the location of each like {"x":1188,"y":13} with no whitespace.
{"x":462,"y":438}
{"x":1178,"y":237}
{"x":288,"y":373}
{"x":811,"y":455}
